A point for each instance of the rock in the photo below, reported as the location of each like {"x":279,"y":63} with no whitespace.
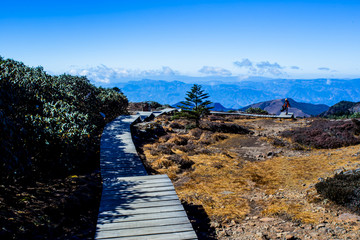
{"x":350,"y":172}
{"x":349,"y":217}
{"x":321,"y":225}
{"x":308,"y":227}
{"x":338,"y":171}
{"x":270,"y":154}
{"x":290,"y":237}
{"x":266,"y":219}
{"x":226,"y":192}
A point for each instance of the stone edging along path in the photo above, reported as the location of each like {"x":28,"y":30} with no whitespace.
{"x":135,"y":205}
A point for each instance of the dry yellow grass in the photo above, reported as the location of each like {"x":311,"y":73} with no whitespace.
{"x":226,"y":185}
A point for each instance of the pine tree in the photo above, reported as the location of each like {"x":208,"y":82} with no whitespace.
{"x":196,"y":104}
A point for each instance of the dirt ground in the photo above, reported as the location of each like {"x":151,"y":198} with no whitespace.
{"x":252,"y":186}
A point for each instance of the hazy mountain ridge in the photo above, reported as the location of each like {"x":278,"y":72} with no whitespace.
{"x":298,"y":108}
{"x":214,"y":107}
{"x":243,"y":93}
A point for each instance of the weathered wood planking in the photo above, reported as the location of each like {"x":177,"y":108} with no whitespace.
{"x":133,"y":204}
{"x":282,"y":114}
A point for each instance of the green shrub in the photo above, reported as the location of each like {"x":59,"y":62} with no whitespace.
{"x":50,"y":124}
{"x":256,"y":111}
{"x":343,"y":189}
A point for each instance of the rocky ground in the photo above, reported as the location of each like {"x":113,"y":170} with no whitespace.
{"x":258,"y":185}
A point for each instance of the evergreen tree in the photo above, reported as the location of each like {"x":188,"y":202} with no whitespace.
{"x":196,"y":104}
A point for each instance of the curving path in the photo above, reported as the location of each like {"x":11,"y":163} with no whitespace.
{"x":135,"y":205}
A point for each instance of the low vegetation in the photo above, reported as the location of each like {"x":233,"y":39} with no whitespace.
{"x":253,"y":181}
{"x":324,"y":134}
{"x":256,"y":111}
{"x":343,"y":189}
{"x":50,"y":128}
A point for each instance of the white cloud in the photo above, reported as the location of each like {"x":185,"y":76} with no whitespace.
{"x":266,"y":67}
{"x":244,"y":63}
{"x":295,"y":67}
{"x":104,"y":74}
{"x":217,"y":71}
{"x":324,"y":69}
{"x":261,"y":68}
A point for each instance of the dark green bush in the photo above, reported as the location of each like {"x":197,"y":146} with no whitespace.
{"x":50,"y":124}
{"x":343,"y":189}
{"x":256,"y":111}
{"x":223,"y":127}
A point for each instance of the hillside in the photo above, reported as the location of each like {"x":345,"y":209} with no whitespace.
{"x":343,"y":108}
{"x":236,"y":94}
{"x":298,"y":108}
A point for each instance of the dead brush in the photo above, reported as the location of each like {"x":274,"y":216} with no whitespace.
{"x":196,"y":133}
{"x":165,"y":148}
{"x":189,"y":148}
{"x":178,"y":140}
{"x":183,"y":161}
{"x":204,"y":151}
{"x":324,"y":134}
{"x":220,"y":137}
{"x":176,"y":125}
{"x":206,"y":138}
{"x":164,"y":138}
{"x":162,"y":163}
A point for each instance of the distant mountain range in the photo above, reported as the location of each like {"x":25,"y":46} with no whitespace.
{"x":215,"y":107}
{"x":298,"y":108}
{"x":243,"y":93}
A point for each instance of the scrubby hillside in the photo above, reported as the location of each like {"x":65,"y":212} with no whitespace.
{"x":49,"y":144}
{"x":342,"y":109}
{"x":255,"y":178}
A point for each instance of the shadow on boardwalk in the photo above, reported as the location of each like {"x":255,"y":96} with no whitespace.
{"x":135,"y":205}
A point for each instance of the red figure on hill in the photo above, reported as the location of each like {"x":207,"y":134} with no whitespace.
{"x":286,"y":105}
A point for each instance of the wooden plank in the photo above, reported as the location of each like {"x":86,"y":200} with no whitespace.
{"x":146,"y":178}
{"x":143,"y":217}
{"x":188,"y":235}
{"x":138,"y":186}
{"x":131,"y":205}
{"x":120,"y":201}
{"x":122,"y":181}
{"x":143,"y":223}
{"x":142,"y":195}
{"x":127,"y":212}
{"x":138,"y":191}
{"x":148,"y":232}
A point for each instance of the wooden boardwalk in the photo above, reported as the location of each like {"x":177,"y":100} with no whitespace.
{"x":282,"y":115}
{"x":135,"y":205}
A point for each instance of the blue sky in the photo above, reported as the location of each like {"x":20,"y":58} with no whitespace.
{"x":109,"y":40}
